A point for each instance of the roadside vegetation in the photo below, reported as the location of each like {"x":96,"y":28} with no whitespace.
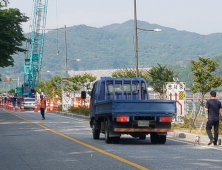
{"x":80,"y":111}
{"x":204,"y":79}
{"x":187,"y":125}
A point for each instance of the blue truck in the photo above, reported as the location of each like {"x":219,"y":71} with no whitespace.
{"x":122,"y":106}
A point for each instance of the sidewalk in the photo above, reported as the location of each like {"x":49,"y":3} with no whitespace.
{"x":176,"y":134}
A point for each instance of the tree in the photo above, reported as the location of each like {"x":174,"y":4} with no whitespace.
{"x":158,"y":76}
{"x":125,"y":72}
{"x":11,"y":34}
{"x":79,"y":82}
{"x":51,"y":87}
{"x":4,"y":3}
{"x":204,"y":79}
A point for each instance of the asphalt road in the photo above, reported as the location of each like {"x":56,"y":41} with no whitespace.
{"x":66,"y":143}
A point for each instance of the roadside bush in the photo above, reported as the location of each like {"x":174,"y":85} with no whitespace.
{"x":187,"y":122}
{"x":220,"y":128}
{"x":175,"y":125}
{"x":81,"y":110}
{"x":60,"y":107}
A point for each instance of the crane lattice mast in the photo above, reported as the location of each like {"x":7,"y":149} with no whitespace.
{"x":33,"y":61}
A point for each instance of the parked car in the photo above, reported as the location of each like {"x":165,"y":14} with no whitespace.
{"x":29,"y":103}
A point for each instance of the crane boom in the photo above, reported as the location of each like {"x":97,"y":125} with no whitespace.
{"x":33,"y":61}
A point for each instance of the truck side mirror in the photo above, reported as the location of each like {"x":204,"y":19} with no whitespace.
{"x":83,"y":94}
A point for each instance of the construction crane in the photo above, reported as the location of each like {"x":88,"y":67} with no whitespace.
{"x":33,"y":60}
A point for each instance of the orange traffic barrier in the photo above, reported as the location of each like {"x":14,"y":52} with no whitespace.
{"x":51,"y":106}
{"x":87,"y":104}
{"x":75,"y":103}
{"x":22,"y":107}
{"x":48,"y":107}
{"x":36,"y":107}
{"x":55,"y":107}
{"x":16,"y":107}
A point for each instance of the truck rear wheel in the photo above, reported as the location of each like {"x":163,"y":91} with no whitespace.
{"x":116,"y":140}
{"x":154,"y":138}
{"x":142,"y":137}
{"x":108,"y":139}
{"x":96,"y":133}
{"x":162,"y":139}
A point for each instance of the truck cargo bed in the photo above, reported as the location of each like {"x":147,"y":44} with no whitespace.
{"x":135,"y":107}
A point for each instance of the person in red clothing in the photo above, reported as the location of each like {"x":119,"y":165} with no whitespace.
{"x":42,"y":106}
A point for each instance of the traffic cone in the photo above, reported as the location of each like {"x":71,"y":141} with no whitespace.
{"x":6,"y":104}
{"x":22,"y":107}
{"x":10,"y":106}
{"x":36,"y":107}
{"x":16,"y":107}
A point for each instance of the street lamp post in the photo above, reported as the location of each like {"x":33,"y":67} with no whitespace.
{"x":66,"y":58}
{"x":136,"y":37}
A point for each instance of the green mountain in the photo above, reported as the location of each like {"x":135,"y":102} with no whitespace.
{"x":112,"y":46}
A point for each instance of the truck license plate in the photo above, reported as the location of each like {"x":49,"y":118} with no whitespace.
{"x":143,"y":123}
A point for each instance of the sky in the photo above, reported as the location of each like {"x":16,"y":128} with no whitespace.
{"x":199,"y":16}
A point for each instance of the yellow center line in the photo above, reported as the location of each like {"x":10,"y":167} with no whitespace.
{"x":87,"y":145}
{"x":12,"y":122}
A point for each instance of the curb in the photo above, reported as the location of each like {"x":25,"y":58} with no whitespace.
{"x":188,"y":136}
{"x":176,"y":134}
{"x":71,"y":114}
{"x":191,"y":137}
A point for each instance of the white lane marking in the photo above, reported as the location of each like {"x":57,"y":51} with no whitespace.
{"x":208,"y":147}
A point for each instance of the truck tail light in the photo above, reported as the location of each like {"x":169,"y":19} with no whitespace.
{"x":165,"y":119}
{"x":122,"y":119}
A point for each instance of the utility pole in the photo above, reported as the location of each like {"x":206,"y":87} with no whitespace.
{"x":66,"y":54}
{"x":136,"y":38}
